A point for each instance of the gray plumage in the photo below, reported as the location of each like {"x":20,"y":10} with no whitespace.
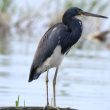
{"x":58,"y":35}
{"x":47,"y":44}
{"x":56,"y":43}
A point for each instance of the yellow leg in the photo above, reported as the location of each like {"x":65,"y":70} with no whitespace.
{"x":54,"y":87}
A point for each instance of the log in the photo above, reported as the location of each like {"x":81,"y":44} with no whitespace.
{"x":34,"y":108}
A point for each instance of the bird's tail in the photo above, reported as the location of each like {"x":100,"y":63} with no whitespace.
{"x":33,"y":74}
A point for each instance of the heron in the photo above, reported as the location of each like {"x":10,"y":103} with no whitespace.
{"x":55,"y":44}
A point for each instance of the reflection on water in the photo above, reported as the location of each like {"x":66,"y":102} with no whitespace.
{"x":83,"y":80}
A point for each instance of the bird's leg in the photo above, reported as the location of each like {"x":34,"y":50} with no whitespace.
{"x":54,"y":89}
{"x":47,"y":85}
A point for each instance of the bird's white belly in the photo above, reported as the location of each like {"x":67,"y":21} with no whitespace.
{"x":54,"y":60}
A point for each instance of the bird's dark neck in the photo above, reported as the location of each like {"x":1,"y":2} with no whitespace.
{"x":72,"y":22}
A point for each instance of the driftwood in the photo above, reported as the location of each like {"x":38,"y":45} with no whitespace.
{"x":33,"y":108}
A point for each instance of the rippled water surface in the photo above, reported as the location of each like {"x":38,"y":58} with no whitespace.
{"x":83,"y":81}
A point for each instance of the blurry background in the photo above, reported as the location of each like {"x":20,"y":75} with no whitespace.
{"x":84,"y":76}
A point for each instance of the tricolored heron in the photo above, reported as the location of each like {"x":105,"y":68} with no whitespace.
{"x":56,"y":43}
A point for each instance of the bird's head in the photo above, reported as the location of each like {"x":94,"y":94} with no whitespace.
{"x":74,"y":11}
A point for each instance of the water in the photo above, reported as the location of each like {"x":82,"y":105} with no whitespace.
{"x":83,"y":80}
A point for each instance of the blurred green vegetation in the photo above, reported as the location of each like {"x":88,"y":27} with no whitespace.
{"x":28,"y":17}
{"x":5,"y":5}
{"x":88,"y":5}
{"x":4,"y":17}
{"x":95,"y":6}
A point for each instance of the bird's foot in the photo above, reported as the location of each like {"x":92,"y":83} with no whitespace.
{"x":50,"y":108}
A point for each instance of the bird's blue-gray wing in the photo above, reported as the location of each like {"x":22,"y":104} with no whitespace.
{"x":46,"y":47}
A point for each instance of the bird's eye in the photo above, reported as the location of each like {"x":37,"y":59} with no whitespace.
{"x":80,"y":12}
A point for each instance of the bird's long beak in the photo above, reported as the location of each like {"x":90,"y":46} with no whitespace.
{"x":91,"y":14}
